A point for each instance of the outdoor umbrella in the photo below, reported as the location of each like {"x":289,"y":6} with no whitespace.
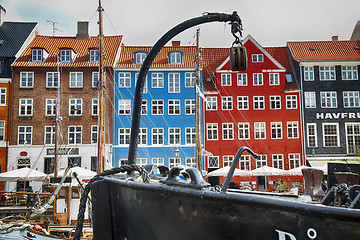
{"x":268,"y":171}
{"x":81,"y":172}
{"x":224,"y":171}
{"x":23,"y":174}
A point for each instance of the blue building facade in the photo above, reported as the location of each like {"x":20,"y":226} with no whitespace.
{"x":167,"y":129}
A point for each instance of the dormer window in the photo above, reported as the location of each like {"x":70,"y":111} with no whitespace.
{"x":37,"y":55}
{"x":139,"y":57}
{"x":94,"y":55}
{"x":175,"y":57}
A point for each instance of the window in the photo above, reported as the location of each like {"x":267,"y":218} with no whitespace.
{"x":189,"y":79}
{"x":141,"y":162}
{"x":49,"y":134}
{"x":37,"y":55}
{"x":310,"y":100}
{"x":50,"y":107}
{"x":174,"y":136}
{"x":157,"y":136}
{"x":94,"y":134}
{"x":157,"y":107}
{"x":175,"y":57}
{"x":26,"y":79}
{"x":275,"y":102}
{"x":227,"y":160}
{"x":308,"y":73}
{"x":213,"y":161}
{"x":331,"y":134}
{"x":75,"y":134}
{"x":144,"y":108}
{"x":349,"y":73}
{"x":174,"y":83}
{"x":94,"y":107}
{"x":291,"y":102}
{"x":189,"y":106}
{"x":353,"y":138}
{"x":228,"y":131}
{"x":328,"y":99}
{"x":143,"y":136}
{"x":157,"y":162}
{"x":259,"y":102}
{"x":122,"y":161}
{"x":2,"y":130}
{"x":261,"y":161}
{"x":174,"y":107}
{"x":276,"y":130}
{"x":24,"y":135}
{"x":25,"y":107}
{"x":351,"y":99}
{"x":292,"y":130}
{"x":94,"y":55}
{"x":257,"y":58}
{"x":259,"y":130}
{"x":242,"y":79}
{"x":258,"y":79}
{"x":157,"y":80}
{"x":190,"y":135}
{"x":124,"y":106}
{"x":212,"y":131}
{"x":2,"y":96}
{"x":75,"y":107}
{"x":225,"y":79}
{"x":48,"y":165}
{"x":52,"y":80}
{"x":124,"y":136}
{"x":311,"y":135}
{"x":278,"y":161}
{"x":95,"y":79}
{"x":76,"y":80}
{"x":243,"y":102}
{"x":124,"y":79}
{"x":244,"y":130}
{"x":294,"y":160}
{"x":226,"y":103}
{"x":327,"y":73}
{"x":139,"y":57}
{"x":274,"y":79}
{"x":211,"y":103}
{"x":65,"y":55}
{"x":190,"y":162}
{"x":245,"y":162}
{"x":174,"y":162}
{"x":93,"y":166}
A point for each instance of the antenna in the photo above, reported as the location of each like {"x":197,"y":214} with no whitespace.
{"x":2,"y":10}
{"x":54,"y":26}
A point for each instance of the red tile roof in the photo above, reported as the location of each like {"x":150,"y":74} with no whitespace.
{"x":81,"y":47}
{"x":280,"y":54}
{"x":126,"y":59}
{"x":212,"y":58}
{"x":325,"y":50}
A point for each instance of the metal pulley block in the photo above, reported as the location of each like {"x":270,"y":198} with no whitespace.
{"x":238,"y":58}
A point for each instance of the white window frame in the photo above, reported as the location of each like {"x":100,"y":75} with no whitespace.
{"x":243,"y":102}
{"x":261,"y":161}
{"x":124,"y":79}
{"x":259,"y":130}
{"x":76,"y":133}
{"x":157,"y":80}
{"x":142,"y":136}
{"x":2,"y":130}
{"x":258,"y":79}
{"x":124,"y":107}
{"x":213,"y":161}
{"x":157,"y":136}
{"x":94,"y":55}
{"x":292,"y":129}
{"x":228,"y":131}
{"x":175,"y":57}
{"x":174,"y":106}
{"x":190,"y":79}
{"x":49,"y":135}
{"x":244,"y":130}
{"x":3,"y":96}
{"x":277,"y":160}
{"x":25,"y":133}
{"x":94,"y":107}
{"x":173,"y":161}
{"x":141,"y":162}
{"x":212,"y":132}
{"x":211,"y":103}
{"x":144,"y":107}
{"x":328,"y":99}
{"x":190,"y":135}
{"x":37,"y":55}
{"x":26,"y":107}
{"x":228,"y":160}
{"x":352,"y":137}
{"x":226,"y":103}
{"x":94,"y":134}
{"x":124,"y":136}
{"x":314,"y":136}
{"x":331,"y":135}
{"x":157,"y":162}
{"x":242,"y":79}
{"x":245,"y":162}
{"x":52,"y":79}
{"x":291,"y":102}
{"x":327,"y":73}
{"x":351,"y":99}
{"x":294,"y":160}
{"x":274,"y":79}
{"x":65,"y":55}
{"x":174,"y":83}
{"x":140,"y":57}
{"x":226,"y":79}
{"x":309,"y":73}
{"x":76,"y":80}
{"x":190,"y":108}
{"x":174,"y":136}
{"x":50,"y":106}
{"x":74,"y":104}
{"x":190,"y":162}
{"x":257,"y":58}
{"x":157,"y":107}
{"x":310,"y":99}
{"x":26,"y":79}
{"x":258,"y":102}
{"x":276,"y":130}
{"x":95,"y":79}
{"x":275,"y":102}
{"x":349,"y":73}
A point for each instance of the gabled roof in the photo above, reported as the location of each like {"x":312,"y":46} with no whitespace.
{"x":325,"y":50}
{"x":81,"y":47}
{"x":126,"y":59}
{"x":13,"y":35}
{"x":281,"y":55}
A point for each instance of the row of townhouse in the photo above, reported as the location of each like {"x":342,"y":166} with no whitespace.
{"x":283,"y":106}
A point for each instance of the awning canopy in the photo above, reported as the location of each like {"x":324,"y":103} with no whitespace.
{"x":268,"y":171}
{"x":224,"y":171}
{"x":81,"y":172}
{"x":23,"y":174}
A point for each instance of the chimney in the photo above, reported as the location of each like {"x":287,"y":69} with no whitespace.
{"x":334,"y":38}
{"x":82,"y":30}
{"x":175,"y":43}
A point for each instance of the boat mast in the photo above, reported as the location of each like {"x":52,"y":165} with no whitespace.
{"x":101,"y":143}
{"x":57,"y":123}
{"x":197,"y":105}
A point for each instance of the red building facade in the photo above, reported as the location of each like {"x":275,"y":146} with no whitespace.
{"x":258,"y":108}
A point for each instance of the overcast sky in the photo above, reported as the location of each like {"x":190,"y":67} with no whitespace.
{"x":143,"y":22}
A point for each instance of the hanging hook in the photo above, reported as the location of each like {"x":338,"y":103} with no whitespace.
{"x":236,"y":27}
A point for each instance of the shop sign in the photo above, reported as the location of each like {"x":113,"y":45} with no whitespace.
{"x":63,"y":151}
{"x":338,"y":115}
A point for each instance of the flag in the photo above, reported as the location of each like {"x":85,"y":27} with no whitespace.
{"x":200,"y":94}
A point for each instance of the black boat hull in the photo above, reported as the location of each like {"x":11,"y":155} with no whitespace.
{"x":131,"y":210}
